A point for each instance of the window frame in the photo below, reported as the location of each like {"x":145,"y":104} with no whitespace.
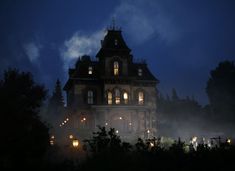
{"x":90,"y":70}
{"x":140,"y":97}
{"x":116,"y":67}
{"x":90,"y":97}
{"x":117,"y":96}
{"x":110,"y":98}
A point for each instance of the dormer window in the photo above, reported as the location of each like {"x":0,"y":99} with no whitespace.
{"x":90,"y":70}
{"x":115,"y":68}
{"x":116,"y":42}
{"x":140,"y":72}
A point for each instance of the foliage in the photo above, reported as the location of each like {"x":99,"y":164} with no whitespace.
{"x":57,"y":99}
{"x":103,"y":141}
{"x":221,"y":91}
{"x":23,"y":136}
{"x":146,"y":156}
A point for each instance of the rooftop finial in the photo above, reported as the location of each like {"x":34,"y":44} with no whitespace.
{"x":113,"y":25}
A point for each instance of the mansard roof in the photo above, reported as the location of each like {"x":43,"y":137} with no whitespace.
{"x":113,"y":44}
{"x":147,"y":75}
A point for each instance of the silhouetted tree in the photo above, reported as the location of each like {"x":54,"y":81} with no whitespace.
{"x":174,"y":95}
{"x":23,"y":136}
{"x":103,"y":141}
{"x":54,"y":112}
{"x":221,"y":91}
{"x":57,"y":99}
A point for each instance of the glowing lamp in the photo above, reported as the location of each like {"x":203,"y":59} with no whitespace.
{"x":51,"y":142}
{"x":70,"y":136}
{"x":75,"y":143}
{"x":148,"y":131}
{"x":229,"y":141}
{"x":120,"y":118}
{"x":116,"y":131}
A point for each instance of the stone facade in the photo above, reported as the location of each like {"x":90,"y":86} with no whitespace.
{"x":112,"y":91}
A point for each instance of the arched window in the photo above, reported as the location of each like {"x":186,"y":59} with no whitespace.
{"x":90,"y":96}
{"x":115,"y":68}
{"x":125,"y":97}
{"x":110,"y":97}
{"x":141,"y":98}
{"x":117,"y":96}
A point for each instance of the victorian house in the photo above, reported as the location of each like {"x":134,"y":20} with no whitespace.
{"x":112,"y":91}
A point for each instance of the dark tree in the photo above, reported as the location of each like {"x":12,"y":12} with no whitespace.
{"x":103,"y":140}
{"x":174,"y":95}
{"x":57,"y":97}
{"x":221,"y":91}
{"x":23,"y":136}
{"x":56,"y":103}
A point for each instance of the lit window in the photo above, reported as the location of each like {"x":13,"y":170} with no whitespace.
{"x":90,"y":69}
{"x":110,"y":98}
{"x":140,"y":98}
{"x":125,"y":97}
{"x":117,"y":96}
{"x":90,"y":97}
{"x":140,"y":72}
{"x":116,"y":42}
{"x":115,"y":68}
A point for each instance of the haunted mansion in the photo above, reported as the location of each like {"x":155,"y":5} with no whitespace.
{"x":113,"y":91}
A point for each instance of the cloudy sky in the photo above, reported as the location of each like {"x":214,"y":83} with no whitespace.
{"x":182,"y":40}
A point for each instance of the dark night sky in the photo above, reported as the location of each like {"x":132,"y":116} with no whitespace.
{"x":182,"y":40}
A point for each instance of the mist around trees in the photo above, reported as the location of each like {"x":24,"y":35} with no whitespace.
{"x":185,"y":117}
{"x":25,"y":136}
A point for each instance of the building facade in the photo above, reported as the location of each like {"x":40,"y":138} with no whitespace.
{"x":112,"y":91}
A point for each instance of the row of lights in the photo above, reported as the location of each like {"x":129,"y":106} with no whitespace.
{"x":64,"y":122}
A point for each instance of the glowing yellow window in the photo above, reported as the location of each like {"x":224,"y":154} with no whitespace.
{"x":125,"y":97}
{"x":117,"y":96}
{"x":115,"y":68}
{"x":110,"y":98}
{"x":140,"y":98}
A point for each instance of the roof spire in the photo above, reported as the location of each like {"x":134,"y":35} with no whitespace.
{"x":113,"y":25}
